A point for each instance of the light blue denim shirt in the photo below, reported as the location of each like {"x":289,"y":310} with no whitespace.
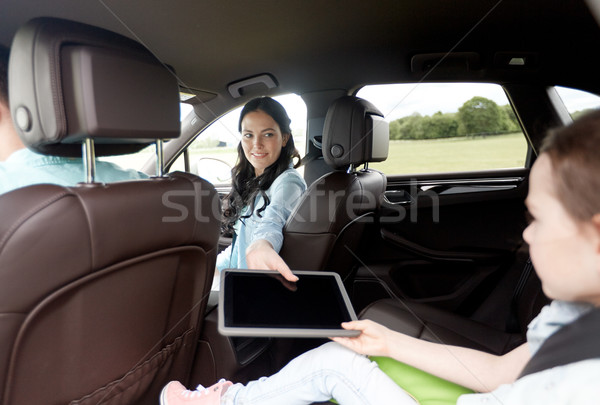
{"x":283,"y":194}
{"x":25,"y":167}
{"x":576,"y":383}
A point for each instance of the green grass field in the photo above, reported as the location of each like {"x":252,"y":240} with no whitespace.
{"x":454,"y":154}
{"x":405,"y":157}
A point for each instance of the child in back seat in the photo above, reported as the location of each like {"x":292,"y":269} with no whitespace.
{"x":559,"y":364}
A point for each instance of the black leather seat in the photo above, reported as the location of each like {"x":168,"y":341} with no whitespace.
{"x":441,"y":326}
{"x":102,"y":286}
{"x":328,"y":222}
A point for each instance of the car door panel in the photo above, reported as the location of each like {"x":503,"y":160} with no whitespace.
{"x":445,"y":241}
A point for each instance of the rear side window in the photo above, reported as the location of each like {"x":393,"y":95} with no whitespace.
{"x":578,"y":102}
{"x":448,"y":127}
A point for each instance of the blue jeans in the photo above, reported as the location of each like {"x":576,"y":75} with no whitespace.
{"x":329,"y":371}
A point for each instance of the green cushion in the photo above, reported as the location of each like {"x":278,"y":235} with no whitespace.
{"x":424,"y":387}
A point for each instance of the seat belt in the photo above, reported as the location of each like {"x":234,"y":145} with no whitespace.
{"x":233,"y":238}
{"x":574,"y":342}
{"x":513,"y":324}
{"x":313,"y":153}
{"x":309,"y":157}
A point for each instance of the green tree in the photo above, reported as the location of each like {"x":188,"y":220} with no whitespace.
{"x":395,"y":129}
{"x":512,"y":124}
{"x":416,"y":126}
{"x":411,"y":127}
{"x":480,"y":115}
{"x":577,"y":114}
{"x":440,"y":126}
{"x":477,"y":116}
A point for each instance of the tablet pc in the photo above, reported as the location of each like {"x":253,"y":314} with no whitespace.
{"x":263,"y":303}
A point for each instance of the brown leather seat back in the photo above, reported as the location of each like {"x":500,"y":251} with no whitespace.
{"x":103,"y":286}
{"x":325,"y":228}
{"x":103,"y":296}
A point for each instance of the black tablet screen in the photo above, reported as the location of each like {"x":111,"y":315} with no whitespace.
{"x":267,"y":300}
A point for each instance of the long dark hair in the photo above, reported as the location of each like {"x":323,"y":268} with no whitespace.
{"x":245,"y":184}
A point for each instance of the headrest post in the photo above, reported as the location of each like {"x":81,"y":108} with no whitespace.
{"x":89,"y":160}
{"x":159,"y":158}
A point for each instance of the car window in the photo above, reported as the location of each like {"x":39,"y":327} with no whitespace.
{"x":448,"y":127}
{"x":578,"y":102}
{"x":214,"y":151}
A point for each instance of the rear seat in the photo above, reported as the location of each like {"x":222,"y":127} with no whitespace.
{"x":441,"y":326}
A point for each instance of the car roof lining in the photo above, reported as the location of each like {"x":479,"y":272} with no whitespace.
{"x":294,"y":42}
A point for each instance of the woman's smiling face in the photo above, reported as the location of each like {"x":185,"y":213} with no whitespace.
{"x":262,"y":140}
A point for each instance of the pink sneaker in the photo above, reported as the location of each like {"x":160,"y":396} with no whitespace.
{"x":176,"y":394}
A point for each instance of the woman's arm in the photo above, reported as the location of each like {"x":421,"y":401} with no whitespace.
{"x":284,"y":194}
{"x":474,"y":369}
{"x":224,"y":259}
{"x":261,"y":255}
{"x":267,"y":237}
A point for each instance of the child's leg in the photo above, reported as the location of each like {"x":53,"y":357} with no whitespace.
{"x":330,"y":371}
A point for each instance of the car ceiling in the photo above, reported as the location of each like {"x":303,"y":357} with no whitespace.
{"x":314,"y":45}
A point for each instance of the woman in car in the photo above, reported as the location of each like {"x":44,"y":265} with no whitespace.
{"x":265,"y":188}
{"x":559,"y":364}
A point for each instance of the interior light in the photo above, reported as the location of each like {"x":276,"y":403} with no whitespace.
{"x":517,"y":62}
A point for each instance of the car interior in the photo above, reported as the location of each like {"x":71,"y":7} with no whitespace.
{"x":106,"y":288}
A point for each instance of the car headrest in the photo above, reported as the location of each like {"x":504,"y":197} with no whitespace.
{"x":354,"y":133}
{"x":70,"y":81}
